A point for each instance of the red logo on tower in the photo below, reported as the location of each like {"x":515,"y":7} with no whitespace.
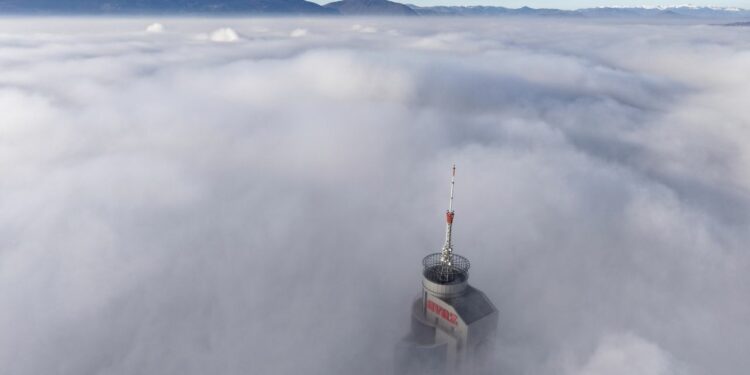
{"x":442,"y":312}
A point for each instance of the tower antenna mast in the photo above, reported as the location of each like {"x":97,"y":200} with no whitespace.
{"x":446,"y":257}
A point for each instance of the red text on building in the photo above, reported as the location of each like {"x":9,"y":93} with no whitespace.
{"x":442,"y":312}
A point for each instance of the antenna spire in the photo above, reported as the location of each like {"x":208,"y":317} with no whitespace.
{"x":446,"y":257}
{"x":446,"y":268}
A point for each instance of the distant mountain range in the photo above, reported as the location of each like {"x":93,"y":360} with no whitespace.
{"x":686,"y":11}
{"x":491,"y":11}
{"x":349,"y":7}
{"x":682,"y":11}
{"x":487,"y":11}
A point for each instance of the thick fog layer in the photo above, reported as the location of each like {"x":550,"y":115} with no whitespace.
{"x":254,"y":196}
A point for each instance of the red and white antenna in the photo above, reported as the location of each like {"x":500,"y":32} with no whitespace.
{"x":445,"y":267}
{"x":446,"y":257}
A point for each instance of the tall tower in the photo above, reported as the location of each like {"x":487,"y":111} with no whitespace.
{"x":453,"y":324}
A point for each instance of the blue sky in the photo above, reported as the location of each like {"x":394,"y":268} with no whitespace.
{"x":573,"y":4}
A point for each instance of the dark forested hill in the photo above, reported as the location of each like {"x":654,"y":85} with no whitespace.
{"x":162,"y":6}
{"x":371,"y":7}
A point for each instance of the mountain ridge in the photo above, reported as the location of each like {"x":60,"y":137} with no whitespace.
{"x":162,"y":6}
{"x":371,"y":7}
{"x":686,"y":11}
{"x":354,"y":7}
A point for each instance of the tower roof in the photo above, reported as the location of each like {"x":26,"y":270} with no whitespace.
{"x":472,"y":305}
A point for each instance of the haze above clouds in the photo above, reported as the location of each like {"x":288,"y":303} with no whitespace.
{"x":254,"y":196}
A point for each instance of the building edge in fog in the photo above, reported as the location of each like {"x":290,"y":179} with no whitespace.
{"x":453,"y":324}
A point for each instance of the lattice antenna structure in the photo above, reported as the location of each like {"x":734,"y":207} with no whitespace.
{"x":446,"y":256}
{"x":446,"y":267}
